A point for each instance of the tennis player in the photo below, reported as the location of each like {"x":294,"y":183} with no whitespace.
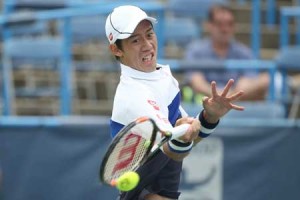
{"x":147,"y":88}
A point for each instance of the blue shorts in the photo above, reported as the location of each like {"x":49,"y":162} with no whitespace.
{"x":160,"y":175}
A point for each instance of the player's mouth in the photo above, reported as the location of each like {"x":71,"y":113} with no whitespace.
{"x":148,"y":58}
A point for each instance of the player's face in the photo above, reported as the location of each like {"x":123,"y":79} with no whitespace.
{"x":139,"y":51}
{"x":222,"y":26}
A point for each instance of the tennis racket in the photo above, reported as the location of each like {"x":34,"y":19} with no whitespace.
{"x":133,"y":146}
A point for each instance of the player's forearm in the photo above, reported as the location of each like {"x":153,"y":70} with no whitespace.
{"x":177,"y":149}
{"x":174,"y":155}
{"x":210,"y":118}
{"x":208,"y":126}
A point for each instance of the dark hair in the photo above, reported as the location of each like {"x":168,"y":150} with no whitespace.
{"x":119,"y":46}
{"x":216,"y":8}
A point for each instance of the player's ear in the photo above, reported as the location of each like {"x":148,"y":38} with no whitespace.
{"x":115,"y":50}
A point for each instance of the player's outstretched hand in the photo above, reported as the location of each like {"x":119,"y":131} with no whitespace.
{"x":219,"y":104}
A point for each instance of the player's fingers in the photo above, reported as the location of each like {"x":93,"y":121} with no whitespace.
{"x":205,"y":99}
{"x":214,"y":89}
{"x":192,"y":132}
{"x":184,"y":120}
{"x":186,"y":136}
{"x":227,"y":88}
{"x":236,"y":107}
{"x":196,"y":128}
{"x":236,"y":96}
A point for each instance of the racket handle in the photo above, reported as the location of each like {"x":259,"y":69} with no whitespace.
{"x":179,"y":131}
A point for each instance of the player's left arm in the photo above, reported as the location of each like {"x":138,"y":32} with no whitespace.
{"x":215,"y":108}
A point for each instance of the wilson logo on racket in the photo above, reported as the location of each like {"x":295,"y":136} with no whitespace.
{"x":127,"y":153}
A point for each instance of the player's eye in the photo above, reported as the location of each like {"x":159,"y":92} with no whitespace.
{"x":134,"y":40}
{"x":150,"y":34}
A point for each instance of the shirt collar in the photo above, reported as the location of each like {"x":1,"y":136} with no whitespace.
{"x":128,"y":71}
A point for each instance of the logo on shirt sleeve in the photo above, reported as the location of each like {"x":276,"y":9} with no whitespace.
{"x":153,"y":104}
{"x":163,"y":119}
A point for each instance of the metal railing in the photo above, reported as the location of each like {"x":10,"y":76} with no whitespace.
{"x":286,"y":14}
{"x":104,"y":8}
{"x":257,"y":65}
{"x":66,"y":14}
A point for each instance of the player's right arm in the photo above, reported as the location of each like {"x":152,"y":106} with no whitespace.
{"x":200,"y":125}
{"x":130,"y":106}
{"x":188,"y":138}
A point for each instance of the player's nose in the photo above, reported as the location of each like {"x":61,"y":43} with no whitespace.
{"x":147,"y":44}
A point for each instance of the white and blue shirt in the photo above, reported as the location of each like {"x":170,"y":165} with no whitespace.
{"x":152,"y":94}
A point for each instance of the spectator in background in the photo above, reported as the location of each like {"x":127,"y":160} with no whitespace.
{"x":221,"y":45}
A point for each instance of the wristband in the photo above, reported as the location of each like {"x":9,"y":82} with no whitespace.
{"x":206,"y":127}
{"x":179,"y":146}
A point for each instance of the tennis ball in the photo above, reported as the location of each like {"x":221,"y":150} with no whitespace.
{"x":128,"y":181}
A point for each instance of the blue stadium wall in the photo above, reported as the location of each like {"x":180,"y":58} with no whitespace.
{"x":61,"y":161}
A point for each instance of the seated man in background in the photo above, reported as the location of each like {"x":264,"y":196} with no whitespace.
{"x":221,"y":45}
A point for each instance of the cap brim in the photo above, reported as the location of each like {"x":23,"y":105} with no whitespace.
{"x":130,"y":29}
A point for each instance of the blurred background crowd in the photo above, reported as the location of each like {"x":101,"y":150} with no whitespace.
{"x":55,"y":62}
{"x":55,"y":58}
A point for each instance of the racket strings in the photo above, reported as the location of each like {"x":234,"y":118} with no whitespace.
{"x":129,"y":151}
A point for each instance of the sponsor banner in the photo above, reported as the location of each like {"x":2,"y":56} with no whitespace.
{"x":203,"y":171}
{"x":252,"y":163}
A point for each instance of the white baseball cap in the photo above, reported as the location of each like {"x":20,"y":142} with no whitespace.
{"x":121,"y":23}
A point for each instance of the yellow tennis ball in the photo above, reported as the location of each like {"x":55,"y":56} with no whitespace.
{"x":128,"y":181}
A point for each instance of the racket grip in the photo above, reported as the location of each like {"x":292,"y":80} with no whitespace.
{"x":179,"y":131}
